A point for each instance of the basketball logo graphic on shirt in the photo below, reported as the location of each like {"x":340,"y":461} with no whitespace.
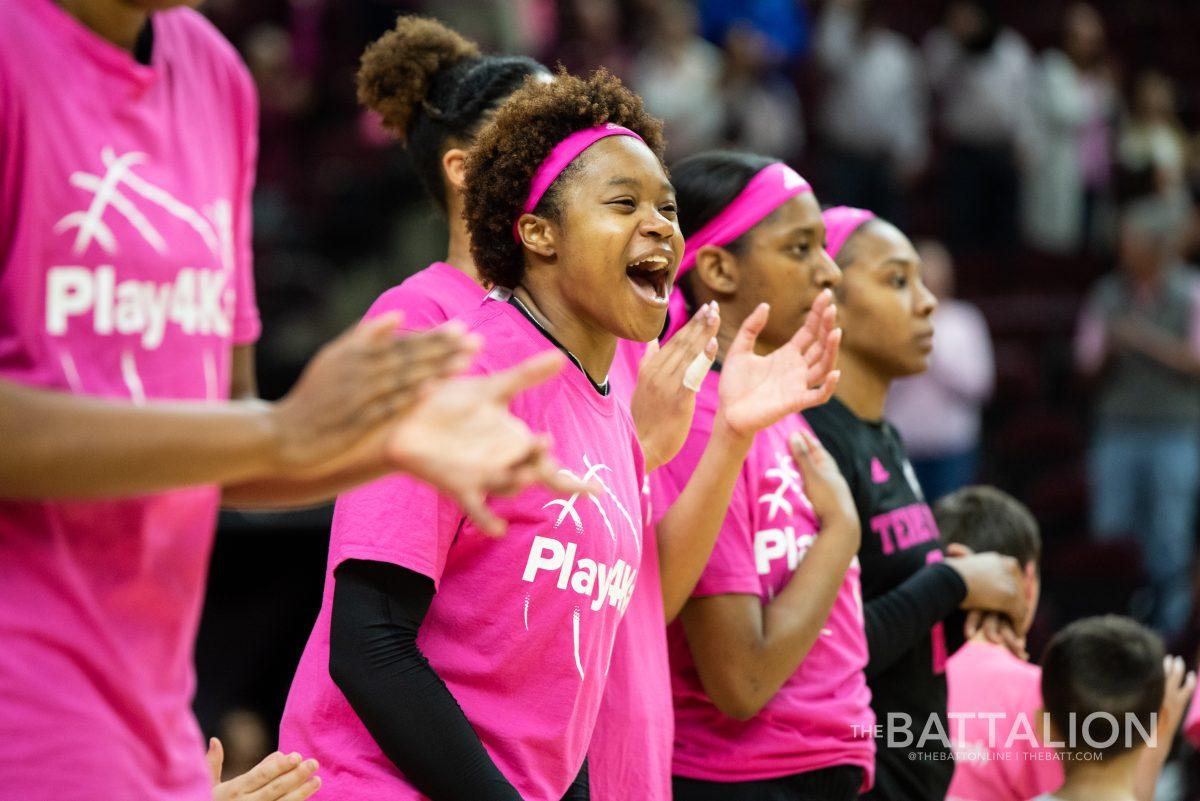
{"x":599,"y":581}
{"x":198,"y":300}
{"x":773,"y":544}
{"x":788,"y":476}
{"x":215,"y":229}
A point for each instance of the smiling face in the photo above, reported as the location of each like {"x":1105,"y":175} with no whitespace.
{"x":612,"y":251}
{"x":783,"y":262}
{"x":883,"y":307}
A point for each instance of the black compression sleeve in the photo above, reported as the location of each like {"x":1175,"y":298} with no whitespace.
{"x":580,"y":789}
{"x":408,"y":710}
{"x":897,"y":620}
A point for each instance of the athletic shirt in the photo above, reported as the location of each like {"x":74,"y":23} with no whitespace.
{"x":125,"y":273}
{"x":521,"y":627}
{"x":821,"y":716}
{"x":899,"y":538}
{"x":430,"y":297}
{"x":997,"y":758}
{"x":630,"y":754}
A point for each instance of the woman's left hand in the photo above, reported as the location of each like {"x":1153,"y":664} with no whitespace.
{"x":757,"y":391}
{"x":663,"y":404}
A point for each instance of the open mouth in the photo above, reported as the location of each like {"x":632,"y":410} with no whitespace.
{"x":651,"y":278}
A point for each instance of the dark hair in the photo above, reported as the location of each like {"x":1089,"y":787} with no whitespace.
{"x":987,"y":519}
{"x":1106,"y":664}
{"x":434,"y":89}
{"x":704,"y":185}
{"x":508,"y":151}
{"x":708,"y":182}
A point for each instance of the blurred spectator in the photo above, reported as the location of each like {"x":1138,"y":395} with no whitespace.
{"x":938,"y":413}
{"x":678,"y":78}
{"x":761,"y":105}
{"x":1152,"y":148}
{"x":246,"y":741}
{"x":980,"y":73}
{"x":1069,"y":148}
{"x":1139,"y":337}
{"x":593,"y":36}
{"x":782,"y":23}
{"x":873,"y":112}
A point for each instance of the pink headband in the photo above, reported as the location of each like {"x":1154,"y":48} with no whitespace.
{"x":840,"y":223}
{"x":767,"y":191}
{"x":563,"y":154}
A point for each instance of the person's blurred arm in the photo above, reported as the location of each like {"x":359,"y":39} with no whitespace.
{"x":1091,"y":339}
{"x":1143,"y":336}
{"x":837,"y":28}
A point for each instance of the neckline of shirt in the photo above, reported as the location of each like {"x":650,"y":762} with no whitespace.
{"x":575,"y":376}
{"x":110,"y":57}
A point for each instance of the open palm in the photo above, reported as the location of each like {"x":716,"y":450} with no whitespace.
{"x":462,"y":439}
{"x":757,"y":391}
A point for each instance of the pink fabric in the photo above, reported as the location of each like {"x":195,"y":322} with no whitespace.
{"x":1191,"y":724}
{"x":765,"y":192}
{"x":541,"y":604}
{"x":986,"y":680}
{"x":125,"y":272}
{"x":631,"y":746}
{"x":821,"y":717}
{"x":840,"y":223}
{"x":562,"y":155}
{"x":430,"y":297}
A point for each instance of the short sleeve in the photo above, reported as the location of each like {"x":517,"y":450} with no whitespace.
{"x":246,"y":323}
{"x":399,"y":520}
{"x":421,"y":312}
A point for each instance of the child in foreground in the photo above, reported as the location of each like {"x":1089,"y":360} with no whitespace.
{"x":1103,"y":665}
{"x":989,"y":687}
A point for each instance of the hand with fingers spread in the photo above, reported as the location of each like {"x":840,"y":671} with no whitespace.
{"x":662,"y":404}
{"x":756,"y":391}
{"x":278,"y":777}
{"x":356,"y":386}
{"x":462,"y":439}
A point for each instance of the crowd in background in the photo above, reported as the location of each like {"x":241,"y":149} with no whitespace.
{"x":1046,"y":153}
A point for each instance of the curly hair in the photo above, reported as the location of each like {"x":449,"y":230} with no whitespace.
{"x":508,"y":151}
{"x":434,"y":90}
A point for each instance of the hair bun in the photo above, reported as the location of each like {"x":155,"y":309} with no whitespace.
{"x":397,"y":68}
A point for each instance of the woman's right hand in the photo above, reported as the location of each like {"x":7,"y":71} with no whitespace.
{"x":994,"y":581}
{"x":356,"y":386}
{"x":824,"y":485}
{"x":463,"y":440}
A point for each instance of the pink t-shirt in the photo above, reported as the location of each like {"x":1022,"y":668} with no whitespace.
{"x":125,"y":272}
{"x":821,"y":717}
{"x":430,"y":297}
{"x":988,"y":687}
{"x":631,"y":747}
{"x":521,"y":628}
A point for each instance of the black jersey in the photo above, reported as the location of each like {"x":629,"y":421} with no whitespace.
{"x":909,"y":610}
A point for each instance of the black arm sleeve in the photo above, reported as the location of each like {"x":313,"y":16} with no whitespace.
{"x":898,"y":619}
{"x":375,"y":662}
{"x":580,"y":789}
